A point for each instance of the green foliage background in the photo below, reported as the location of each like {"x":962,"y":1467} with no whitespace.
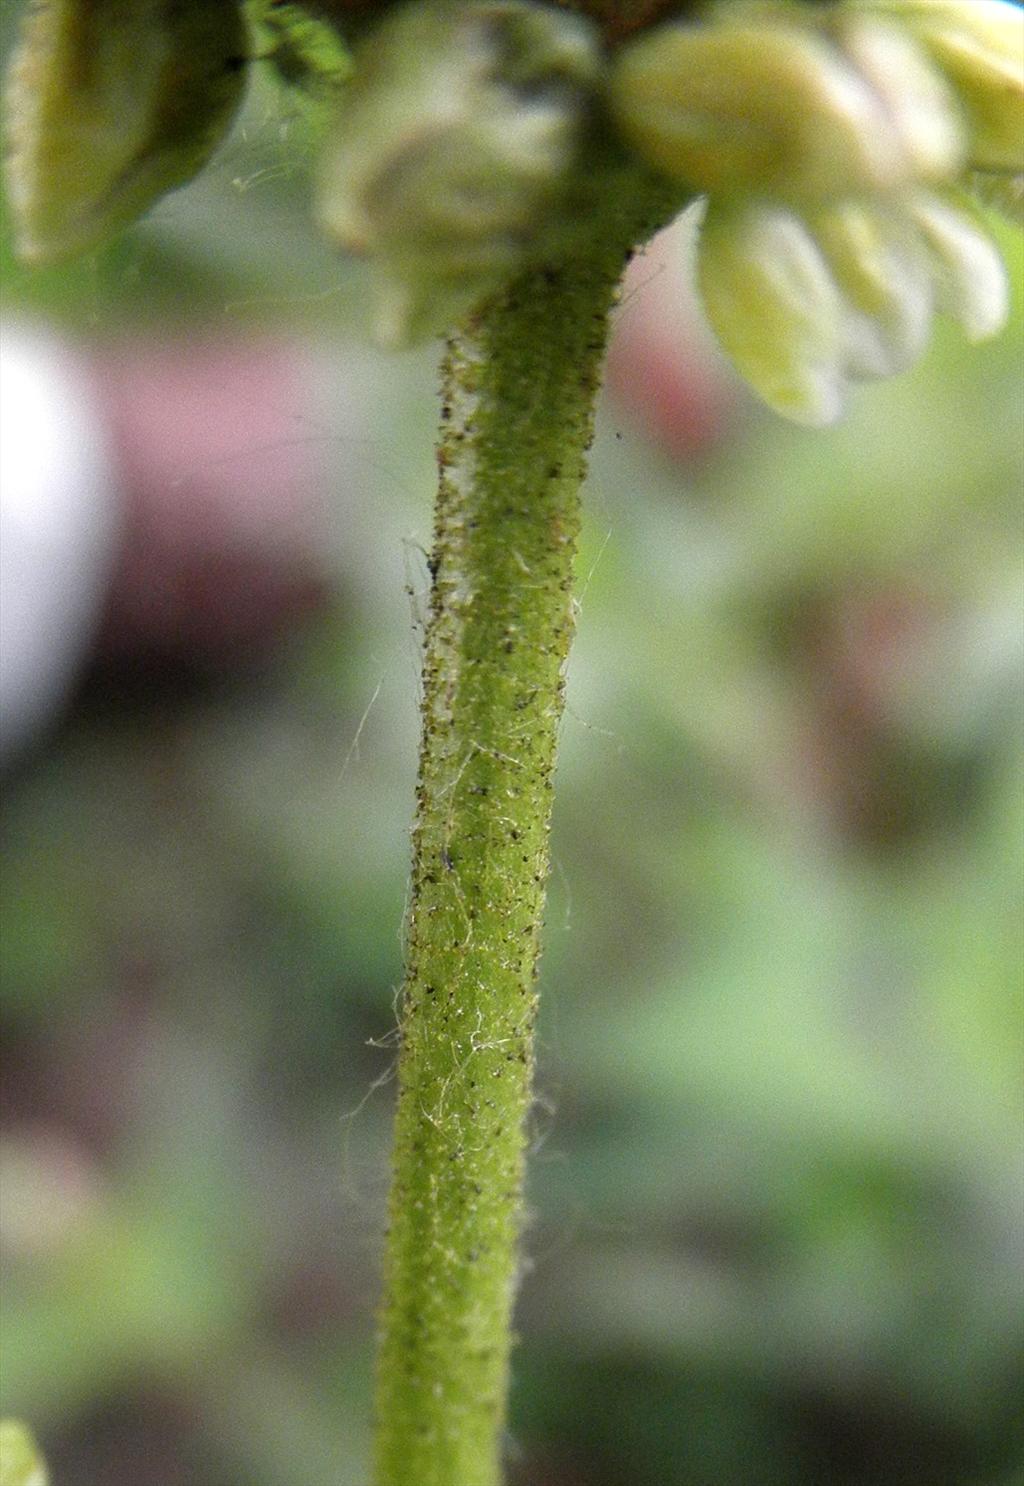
{"x":776,"y":1192}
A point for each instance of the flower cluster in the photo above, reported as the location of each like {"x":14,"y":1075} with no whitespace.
{"x":835,"y":145}
{"x":838,"y":146}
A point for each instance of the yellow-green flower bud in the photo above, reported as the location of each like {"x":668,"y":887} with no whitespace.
{"x":969,"y":274}
{"x":881,"y":268}
{"x":804,"y":306}
{"x":979,"y":45}
{"x":772,"y":302}
{"x":20,"y":1461}
{"x":453,"y":149}
{"x":109,"y":104}
{"x":771,"y":108}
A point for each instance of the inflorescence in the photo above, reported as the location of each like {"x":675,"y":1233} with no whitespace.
{"x":838,"y":149}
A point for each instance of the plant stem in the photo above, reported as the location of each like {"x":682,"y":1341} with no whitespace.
{"x":519,"y":386}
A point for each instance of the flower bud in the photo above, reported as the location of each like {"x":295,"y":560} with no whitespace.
{"x":968,"y":269}
{"x":882,"y":271}
{"x":737,"y":107}
{"x":453,"y":150}
{"x":979,"y":45}
{"x":772,"y":302}
{"x":109,"y":104}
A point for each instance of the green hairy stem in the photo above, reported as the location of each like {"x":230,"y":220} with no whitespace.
{"x":519,"y":385}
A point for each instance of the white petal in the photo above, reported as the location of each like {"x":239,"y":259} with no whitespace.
{"x":916,"y":97}
{"x":772,"y":303}
{"x":970,"y":276}
{"x":883,"y":272}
